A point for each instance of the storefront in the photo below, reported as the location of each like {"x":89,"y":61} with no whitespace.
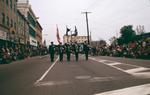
{"x":33,"y":41}
{"x":2,"y":35}
{"x":2,"y":38}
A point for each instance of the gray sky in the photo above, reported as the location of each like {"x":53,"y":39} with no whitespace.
{"x":105,"y":21}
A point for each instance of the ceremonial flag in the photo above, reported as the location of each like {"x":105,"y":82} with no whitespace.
{"x":76,"y":31}
{"x":57,"y":35}
{"x":67,"y":30}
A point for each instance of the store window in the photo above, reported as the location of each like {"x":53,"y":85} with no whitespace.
{"x":11,"y":4}
{"x":15,"y":25}
{"x":11,"y":23}
{"x":3,"y":18}
{"x":7,"y":2}
{"x":7,"y":21}
{"x":14,"y":8}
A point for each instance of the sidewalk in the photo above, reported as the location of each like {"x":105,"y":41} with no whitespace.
{"x":28,"y":58}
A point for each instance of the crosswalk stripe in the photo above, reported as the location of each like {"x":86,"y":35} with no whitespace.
{"x":116,"y":63}
{"x":137,"y":71}
{"x":135,"y":90}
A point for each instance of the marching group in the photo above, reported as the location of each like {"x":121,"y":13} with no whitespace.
{"x":68,"y":49}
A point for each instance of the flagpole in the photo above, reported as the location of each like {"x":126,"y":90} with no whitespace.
{"x":71,"y":37}
{"x":57,"y":34}
{"x":67,"y":34}
{"x":67,"y":38}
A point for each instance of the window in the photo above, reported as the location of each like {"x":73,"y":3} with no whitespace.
{"x":11,"y":23}
{"x":3,"y":18}
{"x":14,"y":8}
{"x":15,"y":25}
{"x":7,"y":21}
{"x":7,"y":2}
{"x":11,"y":4}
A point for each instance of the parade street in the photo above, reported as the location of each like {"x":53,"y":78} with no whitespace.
{"x":96,"y":76}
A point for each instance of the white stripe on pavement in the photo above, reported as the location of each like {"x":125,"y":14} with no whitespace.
{"x":43,"y":76}
{"x":132,"y":71}
{"x":135,"y":90}
{"x":117,"y":63}
{"x":138,"y":71}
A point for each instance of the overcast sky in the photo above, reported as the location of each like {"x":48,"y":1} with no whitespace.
{"x":105,"y":21}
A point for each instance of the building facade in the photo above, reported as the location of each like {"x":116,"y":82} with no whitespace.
{"x":78,"y":39}
{"x":26,"y":10}
{"x":100,"y":43}
{"x":39,"y":33}
{"x":22,"y":28}
{"x":18,"y":24}
{"x":8,"y":20}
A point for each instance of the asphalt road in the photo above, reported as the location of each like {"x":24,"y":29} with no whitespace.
{"x":97,"y":76}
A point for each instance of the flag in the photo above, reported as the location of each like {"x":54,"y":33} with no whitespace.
{"x":67,"y":30}
{"x":57,"y":35}
{"x":76,"y":31}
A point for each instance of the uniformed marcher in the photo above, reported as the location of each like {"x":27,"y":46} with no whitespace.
{"x":76,"y":51}
{"x":61,"y":51}
{"x":86,"y":50}
{"x":68,"y":51}
{"x":52,"y":51}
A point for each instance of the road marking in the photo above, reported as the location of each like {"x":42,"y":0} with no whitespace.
{"x":43,"y":76}
{"x":135,"y":90}
{"x":100,"y":60}
{"x":142,"y":75}
{"x":53,"y":83}
{"x":83,"y":77}
{"x":117,"y":63}
{"x":137,"y":71}
{"x":101,"y":79}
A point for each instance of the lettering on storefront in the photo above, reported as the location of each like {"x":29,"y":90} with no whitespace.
{"x":33,"y":41}
{"x":2,"y":35}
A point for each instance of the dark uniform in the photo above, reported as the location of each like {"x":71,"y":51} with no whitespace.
{"x":86,"y":50}
{"x":68,"y":51}
{"x":61,"y":51}
{"x":52,"y":51}
{"x":76,"y":51}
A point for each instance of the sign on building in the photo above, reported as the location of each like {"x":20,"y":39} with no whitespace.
{"x":2,"y":35}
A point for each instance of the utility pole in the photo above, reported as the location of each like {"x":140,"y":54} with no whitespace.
{"x":86,"y":14}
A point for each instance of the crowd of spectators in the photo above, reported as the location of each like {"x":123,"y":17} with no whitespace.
{"x":134,"y":49}
{"x":9,"y":54}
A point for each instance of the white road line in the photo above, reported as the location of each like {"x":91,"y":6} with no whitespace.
{"x":117,"y":63}
{"x":100,"y":60}
{"x":133,"y":65}
{"x":52,"y":83}
{"x":135,"y":90}
{"x":43,"y":76}
{"x":142,"y":75}
{"x":137,"y":70}
{"x":103,"y":61}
